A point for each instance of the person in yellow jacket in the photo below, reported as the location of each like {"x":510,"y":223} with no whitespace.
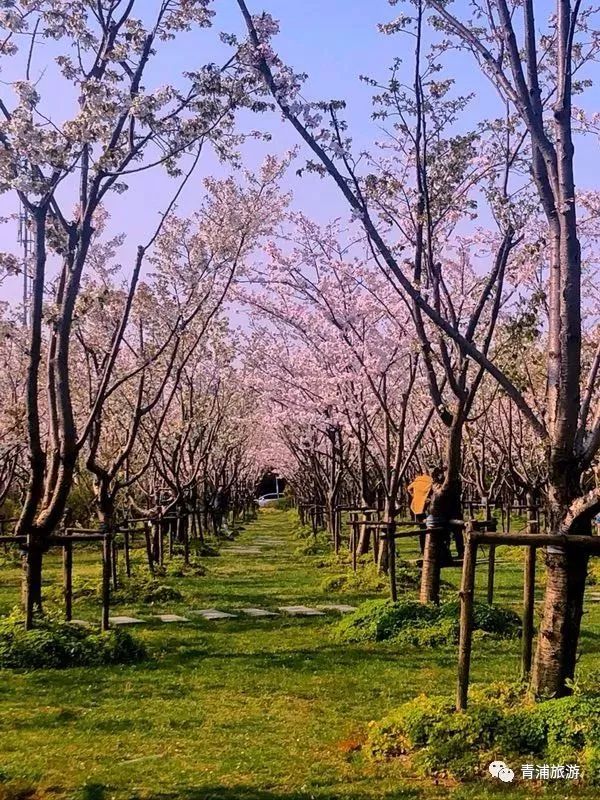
{"x":419,"y":490}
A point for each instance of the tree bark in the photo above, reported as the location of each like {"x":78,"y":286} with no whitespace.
{"x":556,"y":652}
{"x":445,"y":505}
{"x":33,"y":579}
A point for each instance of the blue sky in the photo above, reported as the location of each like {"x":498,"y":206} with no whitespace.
{"x":333,"y":40}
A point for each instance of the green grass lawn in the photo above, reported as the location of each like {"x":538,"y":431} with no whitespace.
{"x":243,"y":709}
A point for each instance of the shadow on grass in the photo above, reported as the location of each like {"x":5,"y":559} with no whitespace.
{"x":250,"y":793}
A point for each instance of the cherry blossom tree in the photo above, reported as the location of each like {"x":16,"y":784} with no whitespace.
{"x":64,"y":171}
{"x":536,"y":82}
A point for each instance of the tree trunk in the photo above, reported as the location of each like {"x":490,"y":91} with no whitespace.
{"x":32,"y":580}
{"x":556,"y":652}
{"x":445,"y":505}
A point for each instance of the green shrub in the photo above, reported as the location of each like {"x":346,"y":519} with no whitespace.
{"x":411,"y":622}
{"x":407,"y":728}
{"x":139,"y":588}
{"x":378,"y":620}
{"x":142,"y":588}
{"x":522,"y":731}
{"x":367,"y":578}
{"x":81,"y":504}
{"x":500,"y":719}
{"x":302,"y":531}
{"x":11,"y":557}
{"x":591,"y":765}
{"x":572,"y":723}
{"x":283,"y":504}
{"x":593,"y":575}
{"x":177,"y":568}
{"x":206,"y":550}
{"x":435,"y":634}
{"x":82,"y":589}
{"x":53,"y":644}
{"x":314,"y":546}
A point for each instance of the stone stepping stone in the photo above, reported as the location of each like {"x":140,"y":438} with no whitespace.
{"x":125,"y":621}
{"x":81,"y":623}
{"x":269,"y":541}
{"x":170,"y":618}
{"x":301,"y":611}
{"x":258,"y":612}
{"x":213,"y":613}
{"x":244,"y":551}
{"x":343,"y":609}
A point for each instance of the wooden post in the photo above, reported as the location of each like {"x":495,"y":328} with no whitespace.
{"x":160,"y":543}
{"x":114,"y":563}
{"x":331,"y":512}
{"x":68,"y":580}
{"x":491,"y":573}
{"x":186,"y":542}
{"x":160,"y":527}
{"x":374,"y":537}
{"x":391,"y":547}
{"x":148,"y":536}
{"x":30,"y":562}
{"x":528,"y":611}
{"x":106,"y":574}
{"x":126,"y":554}
{"x":466,"y":621}
{"x":529,"y":595}
{"x":491,"y":558}
{"x":170,"y":539}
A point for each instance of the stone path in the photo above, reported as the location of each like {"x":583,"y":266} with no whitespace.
{"x":215,"y":614}
{"x":212,"y":614}
{"x":301,"y":611}
{"x":258,"y":612}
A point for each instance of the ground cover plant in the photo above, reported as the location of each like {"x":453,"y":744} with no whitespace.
{"x":55,"y":644}
{"x":270,"y":708}
{"x":412,"y":622}
{"x":500,"y":719}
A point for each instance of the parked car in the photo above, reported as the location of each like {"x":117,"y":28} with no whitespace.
{"x":268,"y":499}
